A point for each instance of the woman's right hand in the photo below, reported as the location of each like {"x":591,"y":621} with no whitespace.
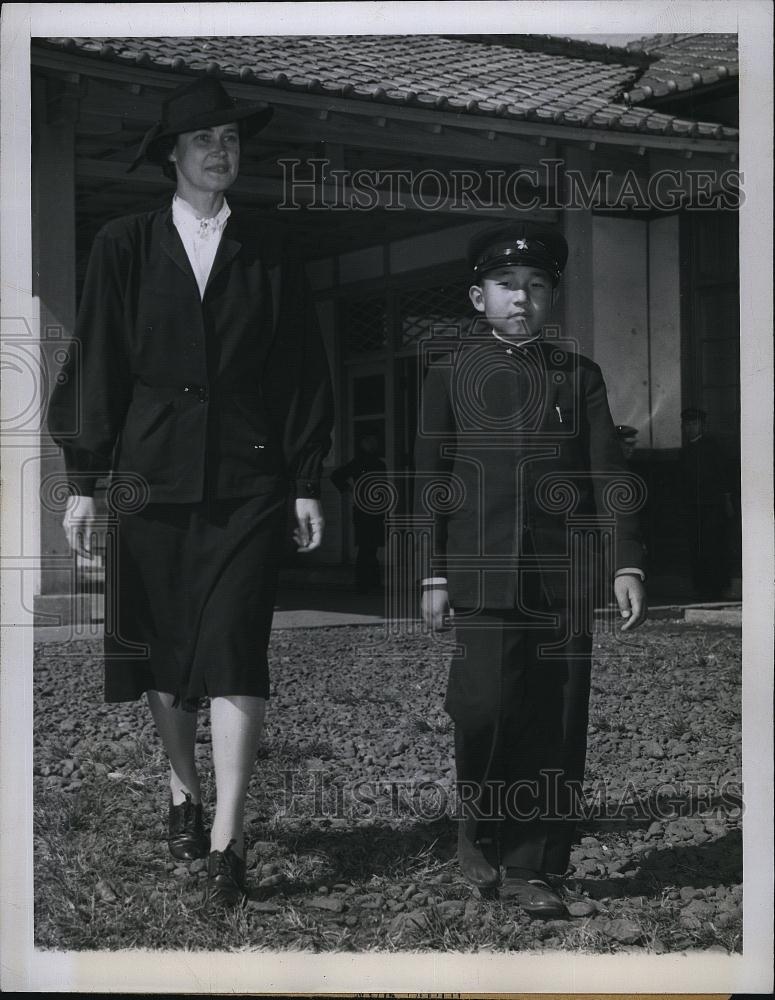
{"x":435,"y":609}
{"x":80,"y":523}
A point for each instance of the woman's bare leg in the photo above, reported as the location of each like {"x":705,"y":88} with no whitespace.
{"x":236,"y":723}
{"x":177,"y":730}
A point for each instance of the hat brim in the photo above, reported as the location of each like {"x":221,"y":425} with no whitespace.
{"x":521,"y":258}
{"x":518,"y":243}
{"x":251,"y":120}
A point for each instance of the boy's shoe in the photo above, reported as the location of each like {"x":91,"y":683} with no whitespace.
{"x":186,"y":834}
{"x":225,"y":879}
{"x":534,"y":896}
{"x":473,"y":863}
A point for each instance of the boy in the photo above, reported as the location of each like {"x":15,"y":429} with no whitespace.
{"x":519,"y":430}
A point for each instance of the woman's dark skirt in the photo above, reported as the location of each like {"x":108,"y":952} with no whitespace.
{"x":189,"y":597}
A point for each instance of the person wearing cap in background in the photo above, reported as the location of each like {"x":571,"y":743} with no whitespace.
{"x":206,"y":390}
{"x":628,"y":436}
{"x":520,"y":429}
{"x":707,"y":489}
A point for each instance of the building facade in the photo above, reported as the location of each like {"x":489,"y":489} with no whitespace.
{"x":376,"y":170}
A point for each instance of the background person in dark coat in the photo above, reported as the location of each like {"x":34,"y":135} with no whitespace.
{"x":208,"y":397}
{"x":628,"y":438}
{"x":520,"y":432}
{"x":369,"y":527}
{"x":707,"y":489}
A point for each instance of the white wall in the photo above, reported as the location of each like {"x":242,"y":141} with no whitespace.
{"x":665,"y":322}
{"x":620,"y":311}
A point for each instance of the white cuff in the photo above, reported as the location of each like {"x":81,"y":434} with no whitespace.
{"x":630,"y":571}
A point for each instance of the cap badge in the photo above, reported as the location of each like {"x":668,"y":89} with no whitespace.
{"x":522,"y":245}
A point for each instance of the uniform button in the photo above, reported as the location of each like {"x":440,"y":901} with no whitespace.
{"x":200,"y":391}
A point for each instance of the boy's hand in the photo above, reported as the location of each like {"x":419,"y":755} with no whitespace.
{"x":79,"y":524}
{"x":309,"y":524}
{"x":631,"y":598}
{"x":435,"y":609}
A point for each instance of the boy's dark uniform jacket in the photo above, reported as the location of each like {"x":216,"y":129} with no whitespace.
{"x":525,"y":441}
{"x":227,"y":396}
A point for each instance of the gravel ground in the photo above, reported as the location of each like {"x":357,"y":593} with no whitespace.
{"x":351,"y":841}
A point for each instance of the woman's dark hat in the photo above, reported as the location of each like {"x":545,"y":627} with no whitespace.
{"x":203,"y":103}
{"x":525,"y":243}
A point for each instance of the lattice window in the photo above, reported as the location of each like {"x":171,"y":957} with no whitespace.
{"x":443,"y":309}
{"x":365,"y":324}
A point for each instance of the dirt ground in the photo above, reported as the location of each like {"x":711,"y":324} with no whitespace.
{"x":350,"y":828}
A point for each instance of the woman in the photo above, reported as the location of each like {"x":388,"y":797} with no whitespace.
{"x":207,"y":398}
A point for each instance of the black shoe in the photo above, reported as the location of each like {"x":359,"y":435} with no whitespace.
{"x":473,"y":864}
{"x":534,"y":896}
{"x":225,"y":879}
{"x":187,"y":838}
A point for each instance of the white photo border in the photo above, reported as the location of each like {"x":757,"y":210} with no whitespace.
{"x":29,"y":970}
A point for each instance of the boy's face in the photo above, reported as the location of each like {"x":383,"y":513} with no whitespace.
{"x":515,"y":298}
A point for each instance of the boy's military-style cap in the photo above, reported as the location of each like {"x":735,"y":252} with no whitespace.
{"x":527,"y":244}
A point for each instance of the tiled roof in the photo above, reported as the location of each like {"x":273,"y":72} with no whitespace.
{"x":441,"y":73}
{"x":682,"y":63}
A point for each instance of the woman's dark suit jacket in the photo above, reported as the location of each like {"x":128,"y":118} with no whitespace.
{"x":229,"y":394}
{"x":516,"y":460}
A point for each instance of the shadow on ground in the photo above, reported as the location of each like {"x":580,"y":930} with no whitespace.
{"x":422,"y":850}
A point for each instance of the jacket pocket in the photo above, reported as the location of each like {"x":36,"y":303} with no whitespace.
{"x":250,"y":410}
{"x":145,"y":417}
{"x":154,"y":418}
{"x":246,"y":442}
{"x":151,"y":437}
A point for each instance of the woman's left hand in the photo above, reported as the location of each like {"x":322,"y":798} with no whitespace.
{"x":309,"y":524}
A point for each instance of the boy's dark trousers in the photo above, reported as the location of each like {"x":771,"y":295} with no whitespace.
{"x":520,"y":718}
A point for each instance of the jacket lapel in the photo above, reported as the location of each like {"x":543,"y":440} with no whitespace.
{"x":227,"y":250}
{"x":172,"y":245}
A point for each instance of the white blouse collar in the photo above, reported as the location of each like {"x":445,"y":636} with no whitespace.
{"x":184,"y":213}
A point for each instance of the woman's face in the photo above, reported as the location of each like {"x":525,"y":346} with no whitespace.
{"x":207,"y":160}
